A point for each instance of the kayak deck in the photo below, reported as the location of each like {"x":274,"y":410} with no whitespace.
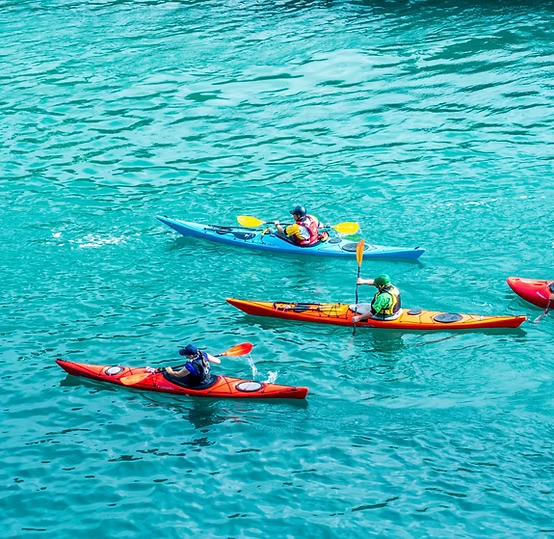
{"x":268,"y":241}
{"x":341,"y":314}
{"x":534,"y":291}
{"x":224,"y":386}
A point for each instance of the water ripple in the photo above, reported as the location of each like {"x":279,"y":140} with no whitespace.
{"x":428,"y":123}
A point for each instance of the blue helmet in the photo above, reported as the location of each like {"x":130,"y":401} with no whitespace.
{"x":300,"y":210}
{"x":189,"y":350}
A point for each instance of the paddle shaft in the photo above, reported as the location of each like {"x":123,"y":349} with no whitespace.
{"x":359,"y":258}
{"x":237,"y":350}
{"x":357,"y":286}
{"x":254,"y":222}
{"x":541,"y":316}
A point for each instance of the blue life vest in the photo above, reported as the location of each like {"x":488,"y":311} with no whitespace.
{"x":199,"y":367}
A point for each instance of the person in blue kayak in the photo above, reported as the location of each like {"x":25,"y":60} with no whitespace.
{"x":196,"y":370}
{"x":305,"y":231}
{"x":386,"y":304}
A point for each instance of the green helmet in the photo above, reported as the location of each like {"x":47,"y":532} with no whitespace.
{"x":382,"y":280}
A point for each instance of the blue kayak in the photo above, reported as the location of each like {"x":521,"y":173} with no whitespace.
{"x":269,"y":241}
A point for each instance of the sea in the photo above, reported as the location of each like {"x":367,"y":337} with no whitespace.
{"x":431,"y":124}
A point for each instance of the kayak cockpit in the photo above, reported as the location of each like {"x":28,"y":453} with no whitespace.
{"x":209,"y":382}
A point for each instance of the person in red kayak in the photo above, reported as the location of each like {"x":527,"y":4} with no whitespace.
{"x":386,"y":304}
{"x":306,"y":229}
{"x":196,"y":370}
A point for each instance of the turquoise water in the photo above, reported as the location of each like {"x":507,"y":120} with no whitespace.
{"x":428,"y":123}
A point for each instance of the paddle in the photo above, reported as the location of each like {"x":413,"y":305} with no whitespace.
{"x":359,"y":258}
{"x":253,"y":222}
{"x":541,"y":316}
{"x":237,"y":350}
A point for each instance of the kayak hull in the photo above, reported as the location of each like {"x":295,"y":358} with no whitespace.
{"x":256,"y":239}
{"x":534,"y":291}
{"x":224,"y":388}
{"x":341,"y":314}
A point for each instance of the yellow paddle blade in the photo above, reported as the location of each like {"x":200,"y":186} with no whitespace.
{"x":360,"y":253}
{"x":347,"y":228}
{"x":248,"y":221}
{"x":134,"y":378}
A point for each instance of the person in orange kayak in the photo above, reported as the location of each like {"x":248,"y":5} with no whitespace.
{"x":306,"y":229}
{"x":386,"y":304}
{"x":196,"y":370}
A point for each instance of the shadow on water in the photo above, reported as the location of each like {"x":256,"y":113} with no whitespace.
{"x":210,"y":248}
{"x":389,"y":342}
{"x":298,"y":5}
{"x":381,"y":337}
{"x":402,"y":7}
{"x":201,"y":412}
{"x":205,"y":412}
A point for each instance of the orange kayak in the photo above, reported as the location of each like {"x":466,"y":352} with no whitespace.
{"x":222,"y":386}
{"x":341,"y":314}
{"x":534,"y":291}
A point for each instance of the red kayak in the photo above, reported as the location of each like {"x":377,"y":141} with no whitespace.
{"x":221,"y":387}
{"x":532,"y":290}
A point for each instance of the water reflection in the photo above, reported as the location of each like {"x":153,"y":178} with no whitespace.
{"x":204,"y":414}
{"x":381,"y":342}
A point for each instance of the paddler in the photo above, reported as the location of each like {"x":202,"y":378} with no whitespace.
{"x":305,"y":231}
{"x":386,"y":302}
{"x":197,"y":368}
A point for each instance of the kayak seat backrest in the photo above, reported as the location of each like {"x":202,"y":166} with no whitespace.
{"x":209,"y":382}
{"x":360,"y":308}
{"x":289,"y":239}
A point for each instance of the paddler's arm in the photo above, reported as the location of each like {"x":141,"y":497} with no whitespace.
{"x":291,"y":230}
{"x":365,"y":281}
{"x":278,"y":227}
{"x":362,"y":317}
{"x":180,"y":374}
{"x":213,"y":359}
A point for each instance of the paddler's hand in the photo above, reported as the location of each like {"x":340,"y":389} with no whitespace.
{"x":276,"y":223}
{"x":356,"y":319}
